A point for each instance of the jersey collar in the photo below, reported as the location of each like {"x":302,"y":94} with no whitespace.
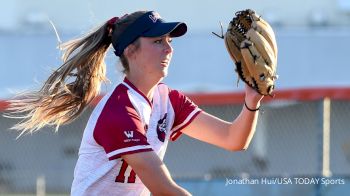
{"x":126,"y":81}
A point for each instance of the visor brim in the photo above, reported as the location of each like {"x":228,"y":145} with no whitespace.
{"x":174,"y":29}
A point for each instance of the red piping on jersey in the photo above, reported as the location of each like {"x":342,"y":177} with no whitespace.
{"x":175,"y":135}
{"x":137,"y":90}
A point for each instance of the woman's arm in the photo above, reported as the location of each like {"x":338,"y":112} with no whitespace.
{"x":232,"y":136}
{"x":154,"y":174}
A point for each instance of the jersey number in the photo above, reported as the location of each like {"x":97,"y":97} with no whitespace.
{"x":121,"y":175}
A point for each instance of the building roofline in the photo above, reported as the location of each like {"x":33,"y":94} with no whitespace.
{"x":300,"y":94}
{"x":224,"y":98}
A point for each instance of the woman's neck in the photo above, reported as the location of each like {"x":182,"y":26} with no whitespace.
{"x":144,"y":84}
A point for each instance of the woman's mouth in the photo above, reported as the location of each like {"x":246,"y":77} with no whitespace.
{"x":165,"y":63}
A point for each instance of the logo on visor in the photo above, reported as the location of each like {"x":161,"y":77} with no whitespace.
{"x":154,"y":17}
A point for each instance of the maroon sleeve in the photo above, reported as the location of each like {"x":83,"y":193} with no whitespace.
{"x":185,"y":112}
{"x":119,"y":129}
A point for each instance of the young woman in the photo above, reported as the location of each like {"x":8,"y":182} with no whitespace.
{"x":127,"y":134}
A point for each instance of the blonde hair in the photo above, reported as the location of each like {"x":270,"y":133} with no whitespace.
{"x":70,"y":88}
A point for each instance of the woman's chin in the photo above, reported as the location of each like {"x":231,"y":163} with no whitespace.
{"x":165,"y":71}
{"x":165,"y":74}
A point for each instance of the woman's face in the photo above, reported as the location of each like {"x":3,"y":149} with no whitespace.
{"x":154,"y":56}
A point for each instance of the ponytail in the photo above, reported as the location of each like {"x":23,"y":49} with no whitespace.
{"x":69,"y":89}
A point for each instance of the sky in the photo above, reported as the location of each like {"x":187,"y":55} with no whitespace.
{"x":200,"y":61}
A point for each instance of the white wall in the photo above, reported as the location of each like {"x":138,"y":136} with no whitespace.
{"x":80,"y":15}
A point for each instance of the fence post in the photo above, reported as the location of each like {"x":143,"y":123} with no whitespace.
{"x":40,"y":186}
{"x":326,"y":129}
{"x":324,"y":142}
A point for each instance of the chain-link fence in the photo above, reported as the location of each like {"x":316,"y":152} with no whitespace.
{"x":288,"y":142}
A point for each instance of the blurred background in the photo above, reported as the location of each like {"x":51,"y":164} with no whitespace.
{"x":303,"y":131}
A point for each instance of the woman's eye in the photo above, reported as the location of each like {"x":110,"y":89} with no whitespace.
{"x":158,"y":41}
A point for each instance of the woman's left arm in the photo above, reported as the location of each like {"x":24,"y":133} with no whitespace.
{"x":232,"y":136}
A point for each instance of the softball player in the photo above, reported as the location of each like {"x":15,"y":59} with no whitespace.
{"x":127,"y":134}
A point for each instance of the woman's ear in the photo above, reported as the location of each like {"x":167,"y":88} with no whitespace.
{"x":129,"y":51}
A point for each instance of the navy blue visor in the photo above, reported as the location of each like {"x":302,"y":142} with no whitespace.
{"x":148,"y":25}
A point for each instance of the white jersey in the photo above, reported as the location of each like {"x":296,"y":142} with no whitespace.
{"x":126,"y":122}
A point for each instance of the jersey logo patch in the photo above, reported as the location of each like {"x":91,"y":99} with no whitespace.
{"x":130,"y":137}
{"x":161,"y":128}
{"x":129,"y":134}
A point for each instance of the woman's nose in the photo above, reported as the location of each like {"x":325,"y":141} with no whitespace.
{"x":168,"y":48}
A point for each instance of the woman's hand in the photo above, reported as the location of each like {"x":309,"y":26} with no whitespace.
{"x":252,"y":98}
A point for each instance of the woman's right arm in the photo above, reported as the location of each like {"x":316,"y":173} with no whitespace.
{"x":153,"y":173}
